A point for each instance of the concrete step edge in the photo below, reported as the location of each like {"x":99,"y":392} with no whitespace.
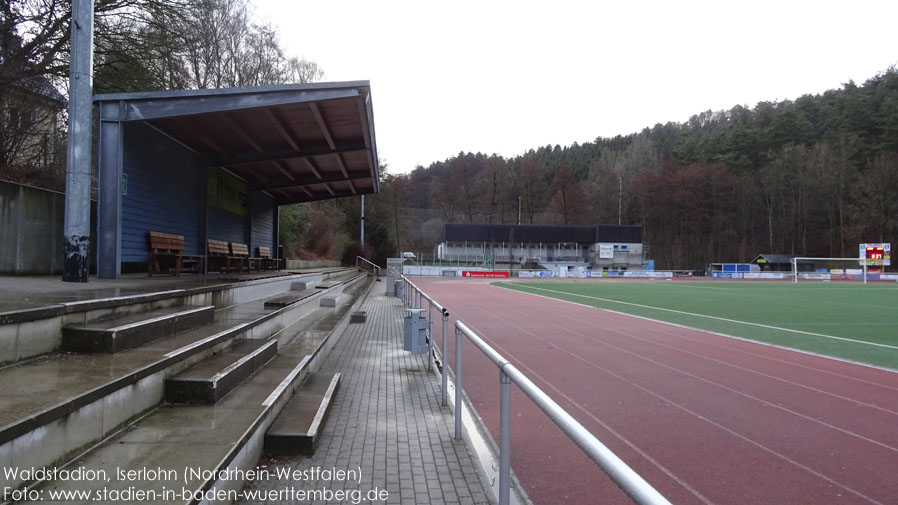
{"x":324,"y":408}
{"x":87,"y":337}
{"x":250,"y":444}
{"x":195,"y":390}
{"x":287,"y":442}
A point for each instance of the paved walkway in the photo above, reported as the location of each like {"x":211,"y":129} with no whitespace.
{"x":386,"y":425}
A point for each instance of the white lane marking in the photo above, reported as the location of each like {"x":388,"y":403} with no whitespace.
{"x":669,"y":402}
{"x":604,"y":425}
{"x":746,"y":369}
{"x":747,"y":323}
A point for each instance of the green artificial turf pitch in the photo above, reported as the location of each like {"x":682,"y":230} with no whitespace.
{"x":846,"y":320}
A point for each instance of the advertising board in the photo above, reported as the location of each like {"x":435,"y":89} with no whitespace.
{"x":484,"y":275}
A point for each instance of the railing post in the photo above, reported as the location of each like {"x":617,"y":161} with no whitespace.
{"x":430,"y":335}
{"x":445,"y":358}
{"x":504,"y":437}
{"x":458,"y":388}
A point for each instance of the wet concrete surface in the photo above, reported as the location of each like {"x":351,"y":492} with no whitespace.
{"x":37,"y":385}
{"x":179,"y":437}
{"x":30,"y":292}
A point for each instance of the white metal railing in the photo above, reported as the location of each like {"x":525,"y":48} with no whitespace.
{"x":360,"y":260}
{"x":416,"y":301}
{"x":640,"y":491}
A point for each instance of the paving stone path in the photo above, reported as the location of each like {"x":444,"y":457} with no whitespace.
{"x":386,"y":431}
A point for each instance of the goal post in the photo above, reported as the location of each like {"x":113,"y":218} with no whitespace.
{"x":859,"y":265}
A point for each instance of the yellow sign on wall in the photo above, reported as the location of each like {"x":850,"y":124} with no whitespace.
{"x":226,"y":192}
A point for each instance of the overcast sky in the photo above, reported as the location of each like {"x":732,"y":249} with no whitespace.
{"x":503,"y":77}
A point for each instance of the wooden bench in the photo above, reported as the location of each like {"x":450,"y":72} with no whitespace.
{"x":265,"y":261}
{"x":240,"y":253}
{"x":219,"y":255}
{"x":168,"y":248}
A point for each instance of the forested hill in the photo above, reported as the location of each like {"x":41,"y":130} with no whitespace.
{"x":814,"y":176}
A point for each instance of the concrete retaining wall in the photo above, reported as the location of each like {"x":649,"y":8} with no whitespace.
{"x":31,"y":226}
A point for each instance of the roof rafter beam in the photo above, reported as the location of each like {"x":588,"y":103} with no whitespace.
{"x":313,"y":167}
{"x":323,"y":125}
{"x":312,"y":197}
{"x":363,"y":121}
{"x":341,"y":164}
{"x":307,"y":180}
{"x":362,"y":103}
{"x":284,"y":169}
{"x":283,"y":129}
{"x":205,"y":140}
{"x":248,"y":158}
{"x":241,"y":133}
{"x":352,"y":187}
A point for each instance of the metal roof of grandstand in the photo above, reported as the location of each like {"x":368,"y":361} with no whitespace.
{"x":773,"y":258}
{"x":296,"y":142}
{"x":537,"y":233}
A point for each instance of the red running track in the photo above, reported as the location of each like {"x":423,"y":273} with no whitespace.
{"x":704,"y":418}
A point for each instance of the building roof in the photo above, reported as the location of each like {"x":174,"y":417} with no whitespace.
{"x":545,"y":234}
{"x":297,"y":142}
{"x":40,"y":86}
{"x":775,"y":259}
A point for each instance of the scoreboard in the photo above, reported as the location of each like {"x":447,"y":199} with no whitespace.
{"x":875,"y":254}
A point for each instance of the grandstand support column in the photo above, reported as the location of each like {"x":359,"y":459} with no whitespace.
{"x":109,"y":180}
{"x":76,"y":228}
{"x":362,"y":236}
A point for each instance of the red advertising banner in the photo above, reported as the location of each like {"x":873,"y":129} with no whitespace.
{"x":484,"y":275}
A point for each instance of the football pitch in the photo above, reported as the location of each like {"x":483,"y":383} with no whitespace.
{"x":845,"y":320}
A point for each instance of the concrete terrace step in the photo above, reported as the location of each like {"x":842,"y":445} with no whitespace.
{"x":212,"y":379}
{"x":54,"y":406}
{"x":297,"y":429}
{"x":212,"y":438}
{"x":252,"y":276}
{"x":291,"y":298}
{"x":344,"y":278}
{"x":335,"y":287}
{"x":133,"y":330}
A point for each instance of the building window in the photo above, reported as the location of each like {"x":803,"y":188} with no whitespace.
{"x":623,"y":248}
{"x":21,"y":119}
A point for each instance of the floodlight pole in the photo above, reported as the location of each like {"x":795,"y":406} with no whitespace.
{"x":76,"y":228}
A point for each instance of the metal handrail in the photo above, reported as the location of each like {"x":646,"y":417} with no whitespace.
{"x":640,"y":491}
{"x":357,"y":258}
{"x":416,"y":301}
{"x":425,"y":295}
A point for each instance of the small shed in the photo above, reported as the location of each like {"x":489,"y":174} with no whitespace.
{"x":218,"y":163}
{"x":773,"y":262}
